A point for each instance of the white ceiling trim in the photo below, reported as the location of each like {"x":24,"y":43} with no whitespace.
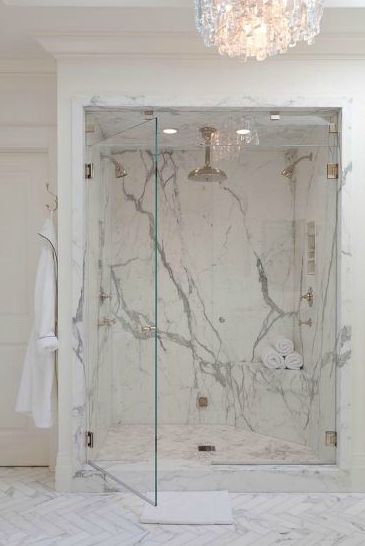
{"x":150,"y":3}
{"x":187,"y":45}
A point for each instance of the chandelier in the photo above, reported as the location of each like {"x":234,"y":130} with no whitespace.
{"x":233,"y":136}
{"x":257,"y":28}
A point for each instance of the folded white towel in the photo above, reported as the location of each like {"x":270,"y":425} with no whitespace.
{"x":294,"y":361}
{"x":284,"y":346}
{"x":272,"y":359}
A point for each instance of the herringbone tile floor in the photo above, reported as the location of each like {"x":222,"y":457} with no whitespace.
{"x":31,"y":513}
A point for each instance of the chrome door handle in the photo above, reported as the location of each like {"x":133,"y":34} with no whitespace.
{"x":148,"y":328}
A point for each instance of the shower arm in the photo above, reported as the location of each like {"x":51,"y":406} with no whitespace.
{"x":207,"y":155}
{"x":207,"y":134}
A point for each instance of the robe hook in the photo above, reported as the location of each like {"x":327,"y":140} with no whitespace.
{"x":52,"y":207}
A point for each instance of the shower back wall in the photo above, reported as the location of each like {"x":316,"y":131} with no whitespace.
{"x":231,"y":261}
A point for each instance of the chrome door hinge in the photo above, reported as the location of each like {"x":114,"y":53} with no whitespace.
{"x":332,"y":171}
{"x":89,"y":171}
{"x":90,"y":439}
{"x":331,"y":438}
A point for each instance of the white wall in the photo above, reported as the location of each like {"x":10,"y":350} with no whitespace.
{"x":27,"y":122}
{"x":27,"y":99}
{"x":211,"y":81}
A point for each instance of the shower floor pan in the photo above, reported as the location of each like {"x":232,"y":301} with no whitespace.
{"x":179,"y":445}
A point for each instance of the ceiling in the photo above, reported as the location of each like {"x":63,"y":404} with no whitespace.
{"x":116,"y":129}
{"x":22,"y":20}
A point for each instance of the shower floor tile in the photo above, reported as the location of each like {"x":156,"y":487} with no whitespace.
{"x":132,"y":444}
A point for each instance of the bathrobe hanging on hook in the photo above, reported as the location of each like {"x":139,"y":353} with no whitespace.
{"x":36,"y":386}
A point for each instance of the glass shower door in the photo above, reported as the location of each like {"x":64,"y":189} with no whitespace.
{"x":121,"y":295}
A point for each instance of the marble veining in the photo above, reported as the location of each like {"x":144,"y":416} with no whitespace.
{"x":229,"y":282}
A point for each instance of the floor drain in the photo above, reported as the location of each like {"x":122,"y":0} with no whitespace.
{"x":206,"y":448}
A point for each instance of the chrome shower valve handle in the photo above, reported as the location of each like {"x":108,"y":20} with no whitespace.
{"x":309,"y":297}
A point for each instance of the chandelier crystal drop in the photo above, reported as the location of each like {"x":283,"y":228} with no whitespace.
{"x":257,"y":28}
{"x":233,"y":136}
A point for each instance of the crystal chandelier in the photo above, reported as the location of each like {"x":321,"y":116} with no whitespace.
{"x":257,"y":28}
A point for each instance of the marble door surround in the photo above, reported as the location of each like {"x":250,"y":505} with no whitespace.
{"x":72,"y":452}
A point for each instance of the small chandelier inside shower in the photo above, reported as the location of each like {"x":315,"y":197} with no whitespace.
{"x":233,"y":136}
{"x":257,"y":28}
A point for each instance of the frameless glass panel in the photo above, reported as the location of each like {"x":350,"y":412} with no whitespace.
{"x":248,"y":258}
{"x":121,"y":296}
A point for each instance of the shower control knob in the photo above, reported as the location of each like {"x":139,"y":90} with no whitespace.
{"x":309,"y":297}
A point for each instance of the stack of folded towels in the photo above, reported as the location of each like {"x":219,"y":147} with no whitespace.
{"x":281,"y":355}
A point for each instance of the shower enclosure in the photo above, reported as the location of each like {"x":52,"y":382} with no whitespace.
{"x":189,"y":277}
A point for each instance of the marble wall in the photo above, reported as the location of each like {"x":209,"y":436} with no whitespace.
{"x":231,"y":268}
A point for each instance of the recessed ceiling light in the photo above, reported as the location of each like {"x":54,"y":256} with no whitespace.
{"x":243,"y":131}
{"x":170,"y":131}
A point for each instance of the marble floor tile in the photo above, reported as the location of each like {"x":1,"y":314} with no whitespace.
{"x":179,"y":443}
{"x":32,"y":513}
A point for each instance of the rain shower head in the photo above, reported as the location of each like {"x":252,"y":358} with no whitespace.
{"x":207,"y":173}
{"x":288,"y":172}
{"x":120,"y":171}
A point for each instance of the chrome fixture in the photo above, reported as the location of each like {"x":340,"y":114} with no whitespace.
{"x":290,"y":169}
{"x":89,"y":171}
{"x":148,"y":328}
{"x":103,"y":296}
{"x":332,"y":171}
{"x":207,"y":173}
{"x":120,"y":171}
{"x":331,"y":438}
{"x":207,"y":448}
{"x":202,"y":402}
{"x":106,"y":322}
{"x":148,"y":115}
{"x":52,"y":207}
{"x":248,"y":28}
{"x":309,"y":297}
{"x":308,"y":322}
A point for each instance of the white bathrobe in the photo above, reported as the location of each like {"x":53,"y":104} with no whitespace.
{"x":36,"y":386}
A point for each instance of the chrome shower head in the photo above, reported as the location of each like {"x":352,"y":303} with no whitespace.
{"x":207,"y":173}
{"x":120,"y":171}
{"x":289,"y":171}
